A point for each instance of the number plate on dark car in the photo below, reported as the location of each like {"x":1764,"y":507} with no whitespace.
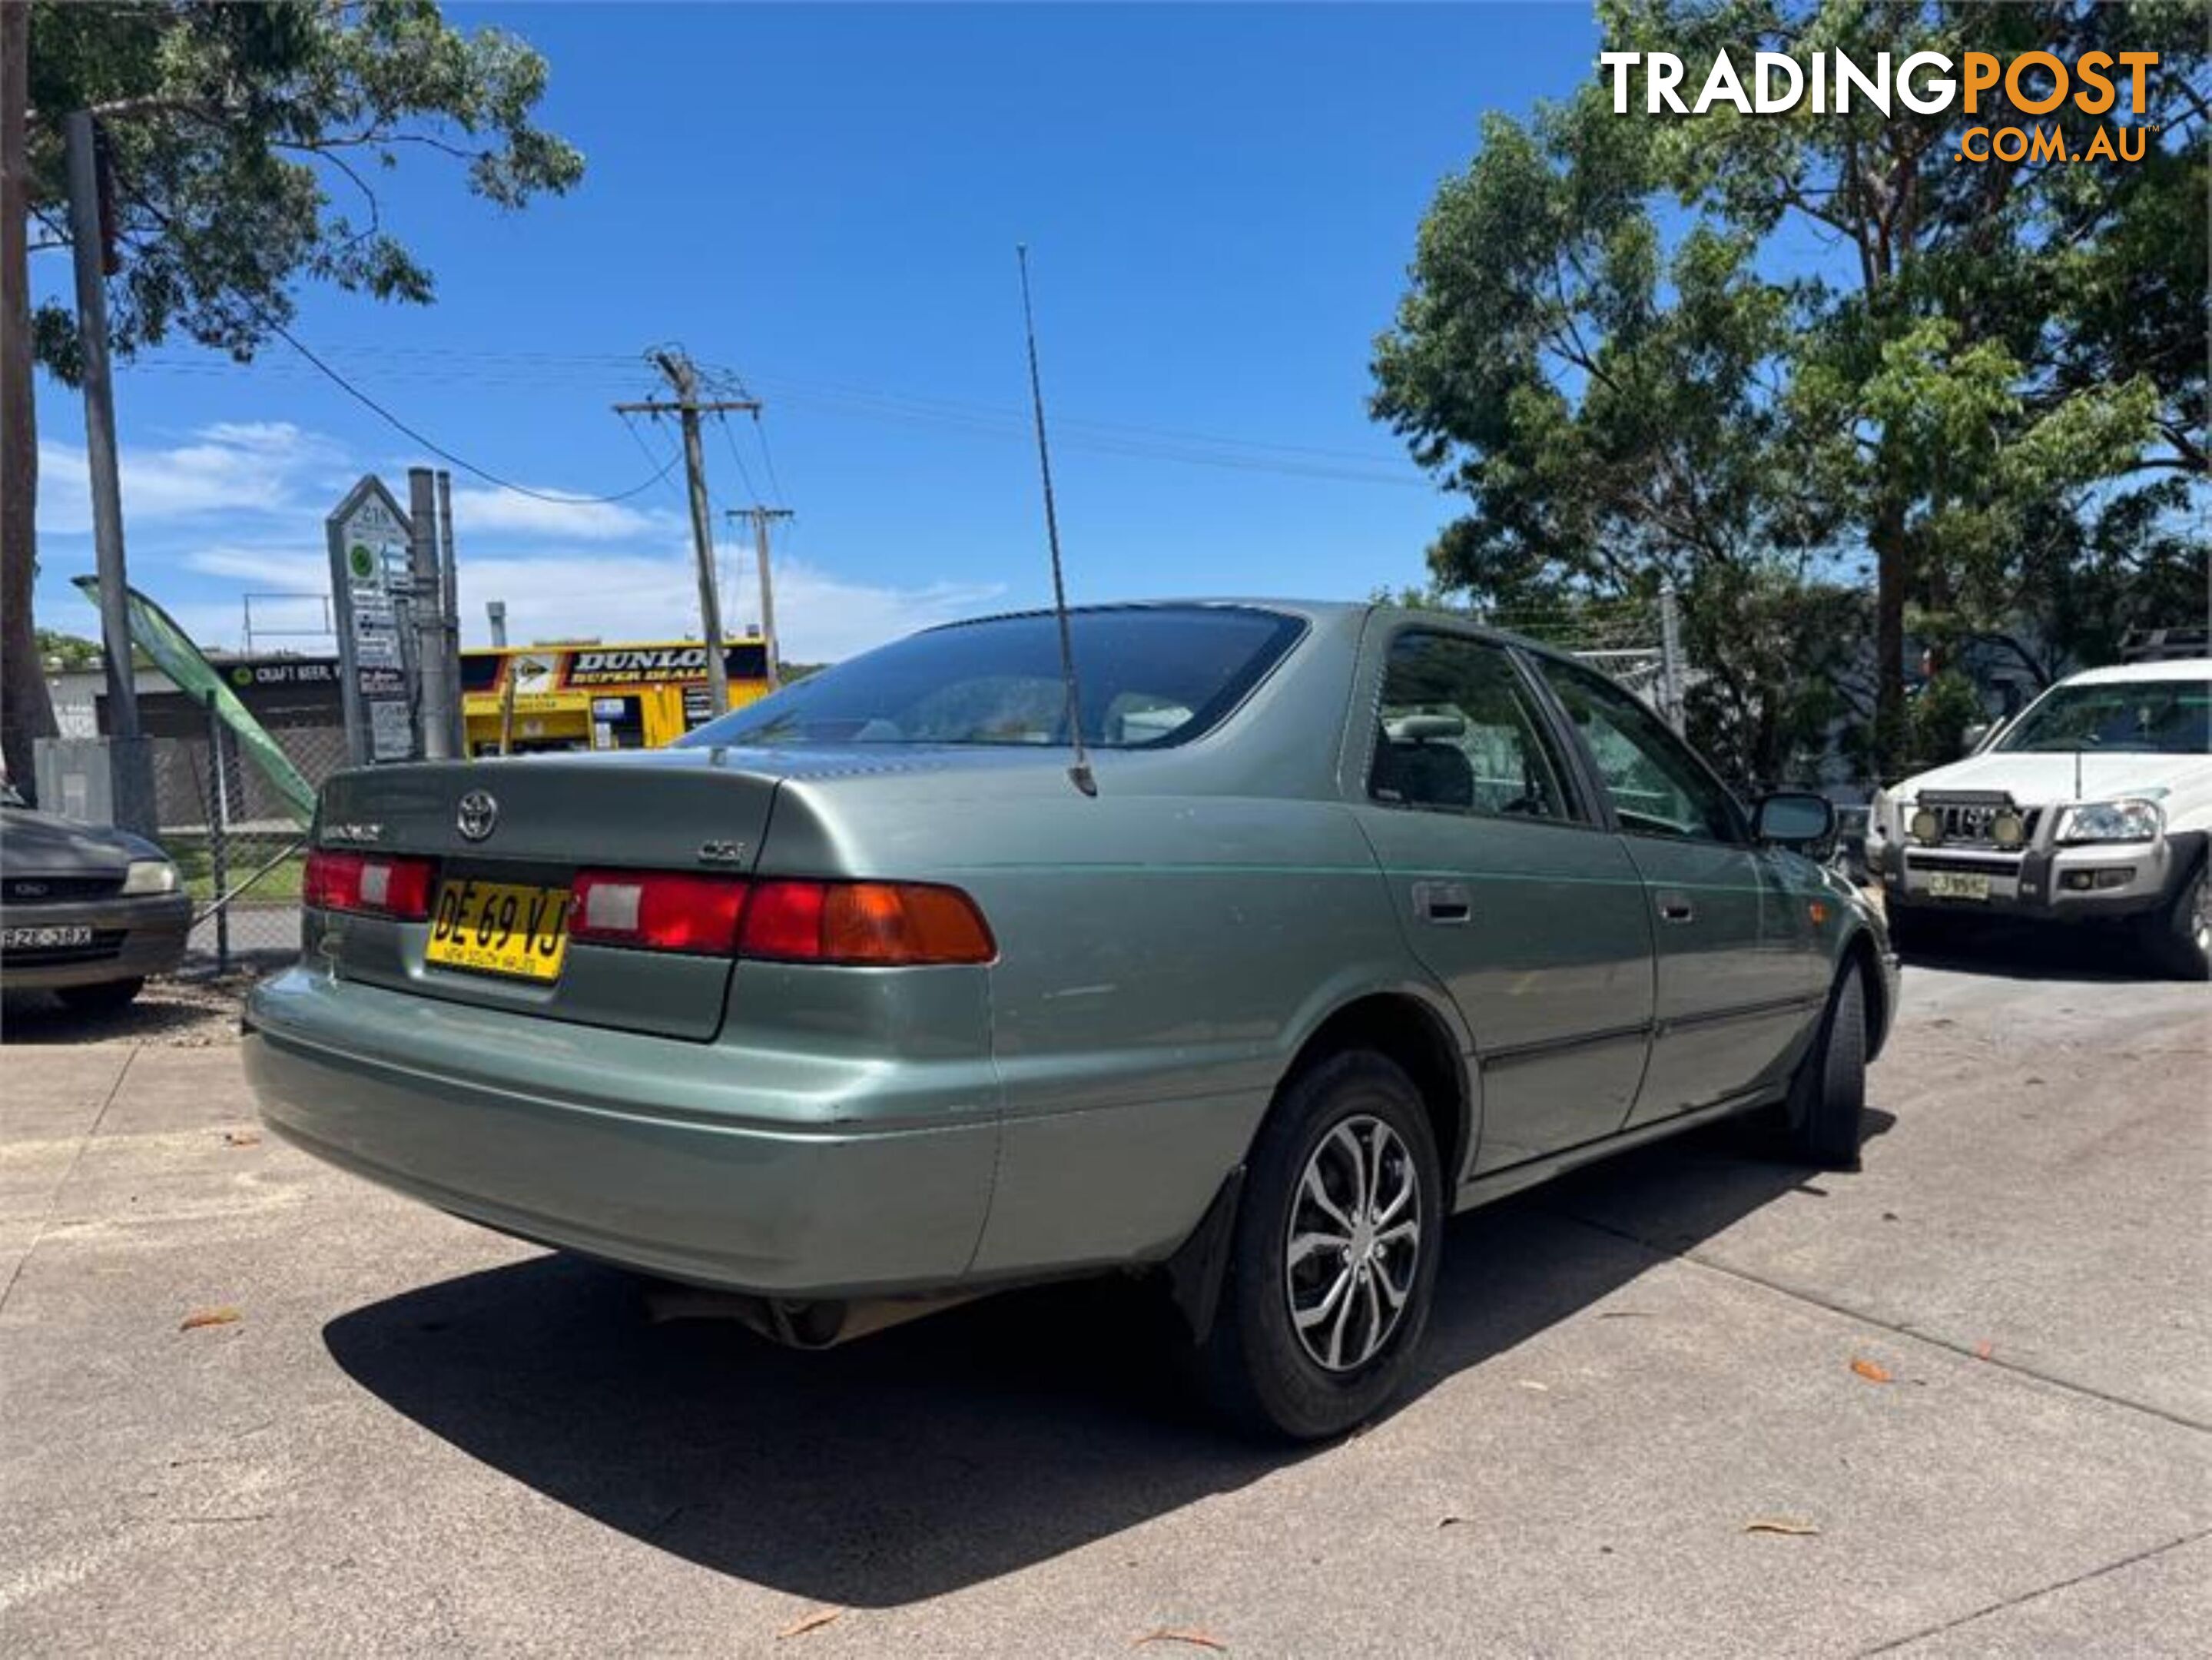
{"x":45,"y":939}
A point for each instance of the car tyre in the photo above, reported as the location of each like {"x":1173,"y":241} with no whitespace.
{"x":106,"y":998}
{"x":1828,"y":1098}
{"x":2178,"y":935}
{"x":1351,"y":1121}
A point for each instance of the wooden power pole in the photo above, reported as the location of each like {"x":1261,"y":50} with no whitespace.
{"x":684,"y":379}
{"x":761,"y":517}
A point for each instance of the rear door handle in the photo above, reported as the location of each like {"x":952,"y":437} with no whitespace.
{"x":1676,"y":908}
{"x":1445,"y":903}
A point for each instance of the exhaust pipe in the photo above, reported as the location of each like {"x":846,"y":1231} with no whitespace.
{"x":796,"y":1325}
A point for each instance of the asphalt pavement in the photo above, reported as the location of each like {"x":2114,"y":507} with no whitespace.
{"x":1695,"y":1403}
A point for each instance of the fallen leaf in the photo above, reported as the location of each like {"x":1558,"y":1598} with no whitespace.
{"x":1872,"y":1371}
{"x":241,"y":1137}
{"x":806,"y":1622}
{"x":1984,"y":1349}
{"x":1451,"y":1521}
{"x":198,"y":1317}
{"x":1531,"y":1384}
{"x":1197,"y":1639}
{"x":1788,"y":1524}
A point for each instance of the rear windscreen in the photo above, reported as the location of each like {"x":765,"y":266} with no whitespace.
{"x":1150,"y":677}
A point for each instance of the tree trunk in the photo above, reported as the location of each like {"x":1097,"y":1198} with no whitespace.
{"x":1892,"y":580}
{"x":27,"y":711}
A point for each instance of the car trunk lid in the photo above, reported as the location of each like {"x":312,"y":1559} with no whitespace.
{"x":524,"y":828}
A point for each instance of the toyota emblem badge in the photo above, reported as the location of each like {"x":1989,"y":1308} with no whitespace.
{"x":478,"y":815}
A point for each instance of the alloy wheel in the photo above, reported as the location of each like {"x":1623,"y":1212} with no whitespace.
{"x":1353,"y":1244}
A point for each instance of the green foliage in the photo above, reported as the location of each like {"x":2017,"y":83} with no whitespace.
{"x":1990,"y":392}
{"x":1945,"y":706}
{"x":246,"y":140}
{"x":67,"y":651}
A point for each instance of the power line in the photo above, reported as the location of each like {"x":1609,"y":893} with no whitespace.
{"x":767,"y":459}
{"x":443,"y":453}
{"x":270,"y":323}
{"x":1173,"y":443}
{"x":722,"y":420}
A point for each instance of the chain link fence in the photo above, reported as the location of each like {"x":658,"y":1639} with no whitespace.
{"x":238,"y":846}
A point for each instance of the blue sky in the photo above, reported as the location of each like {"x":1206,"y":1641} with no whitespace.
{"x":1219,"y":202}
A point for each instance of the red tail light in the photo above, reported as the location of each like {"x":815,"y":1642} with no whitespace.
{"x":881,"y":924}
{"x":390,"y":886}
{"x":656,"y":911}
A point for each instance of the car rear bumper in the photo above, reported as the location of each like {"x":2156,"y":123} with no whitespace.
{"x":2069,"y":883}
{"x":131,"y":939}
{"x":791,"y":1175}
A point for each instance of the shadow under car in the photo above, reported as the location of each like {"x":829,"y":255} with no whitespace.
{"x":966,"y":1445}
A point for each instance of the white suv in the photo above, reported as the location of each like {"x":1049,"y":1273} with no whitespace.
{"x":2095,"y":801}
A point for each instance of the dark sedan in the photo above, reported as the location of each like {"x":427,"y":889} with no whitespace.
{"x":87,"y":911}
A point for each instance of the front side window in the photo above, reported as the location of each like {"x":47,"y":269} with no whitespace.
{"x":1657,"y":786}
{"x":2126,"y":717}
{"x":1151,"y":677}
{"x":1459,"y":732}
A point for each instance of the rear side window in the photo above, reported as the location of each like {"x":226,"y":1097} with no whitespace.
{"x":1151,"y":677}
{"x":1461,"y":731}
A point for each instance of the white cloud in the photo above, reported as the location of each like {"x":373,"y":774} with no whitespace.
{"x":230,"y":467}
{"x":641,"y":596}
{"x":240,"y":508}
{"x":486,"y":511}
{"x":282,"y":569}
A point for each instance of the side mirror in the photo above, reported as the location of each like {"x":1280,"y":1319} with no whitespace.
{"x":1795,"y":818}
{"x":1976,"y":734}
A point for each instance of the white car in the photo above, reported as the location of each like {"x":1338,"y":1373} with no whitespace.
{"x":2095,"y":801}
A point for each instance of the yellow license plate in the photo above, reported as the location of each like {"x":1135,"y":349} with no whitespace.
{"x":499,"y":927}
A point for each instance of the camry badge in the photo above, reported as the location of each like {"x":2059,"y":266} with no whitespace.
{"x":478,"y":815}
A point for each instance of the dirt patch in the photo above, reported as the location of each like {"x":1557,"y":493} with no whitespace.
{"x":188,"y":1013}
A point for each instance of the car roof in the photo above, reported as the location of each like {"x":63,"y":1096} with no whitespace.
{"x":2178,"y":668}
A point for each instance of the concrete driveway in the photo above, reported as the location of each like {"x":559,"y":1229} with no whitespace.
{"x":1691,"y":1404}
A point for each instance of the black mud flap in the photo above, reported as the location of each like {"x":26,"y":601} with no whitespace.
{"x":1200,"y":1264}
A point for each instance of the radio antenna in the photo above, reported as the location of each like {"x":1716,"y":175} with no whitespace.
{"x":1079,"y":773}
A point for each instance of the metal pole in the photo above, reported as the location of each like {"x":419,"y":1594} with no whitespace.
{"x":218,"y":833}
{"x":434,"y":727}
{"x":685,"y":380}
{"x":449,"y":614}
{"x":506,"y":708}
{"x":132,"y":765}
{"x":1670,"y":655}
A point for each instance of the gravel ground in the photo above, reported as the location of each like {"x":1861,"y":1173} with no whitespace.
{"x":183,"y":1012}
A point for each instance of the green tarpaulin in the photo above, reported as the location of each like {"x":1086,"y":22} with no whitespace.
{"x":157,"y":634}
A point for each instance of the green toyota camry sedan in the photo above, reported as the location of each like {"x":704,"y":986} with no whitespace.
{"x":881,"y":992}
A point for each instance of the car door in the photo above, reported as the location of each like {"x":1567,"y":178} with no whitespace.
{"x":1730,"y":1001}
{"x":1511,"y":892}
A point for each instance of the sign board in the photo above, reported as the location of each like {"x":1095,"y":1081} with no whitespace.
{"x":368,"y":536}
{"x":285,"y":672}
